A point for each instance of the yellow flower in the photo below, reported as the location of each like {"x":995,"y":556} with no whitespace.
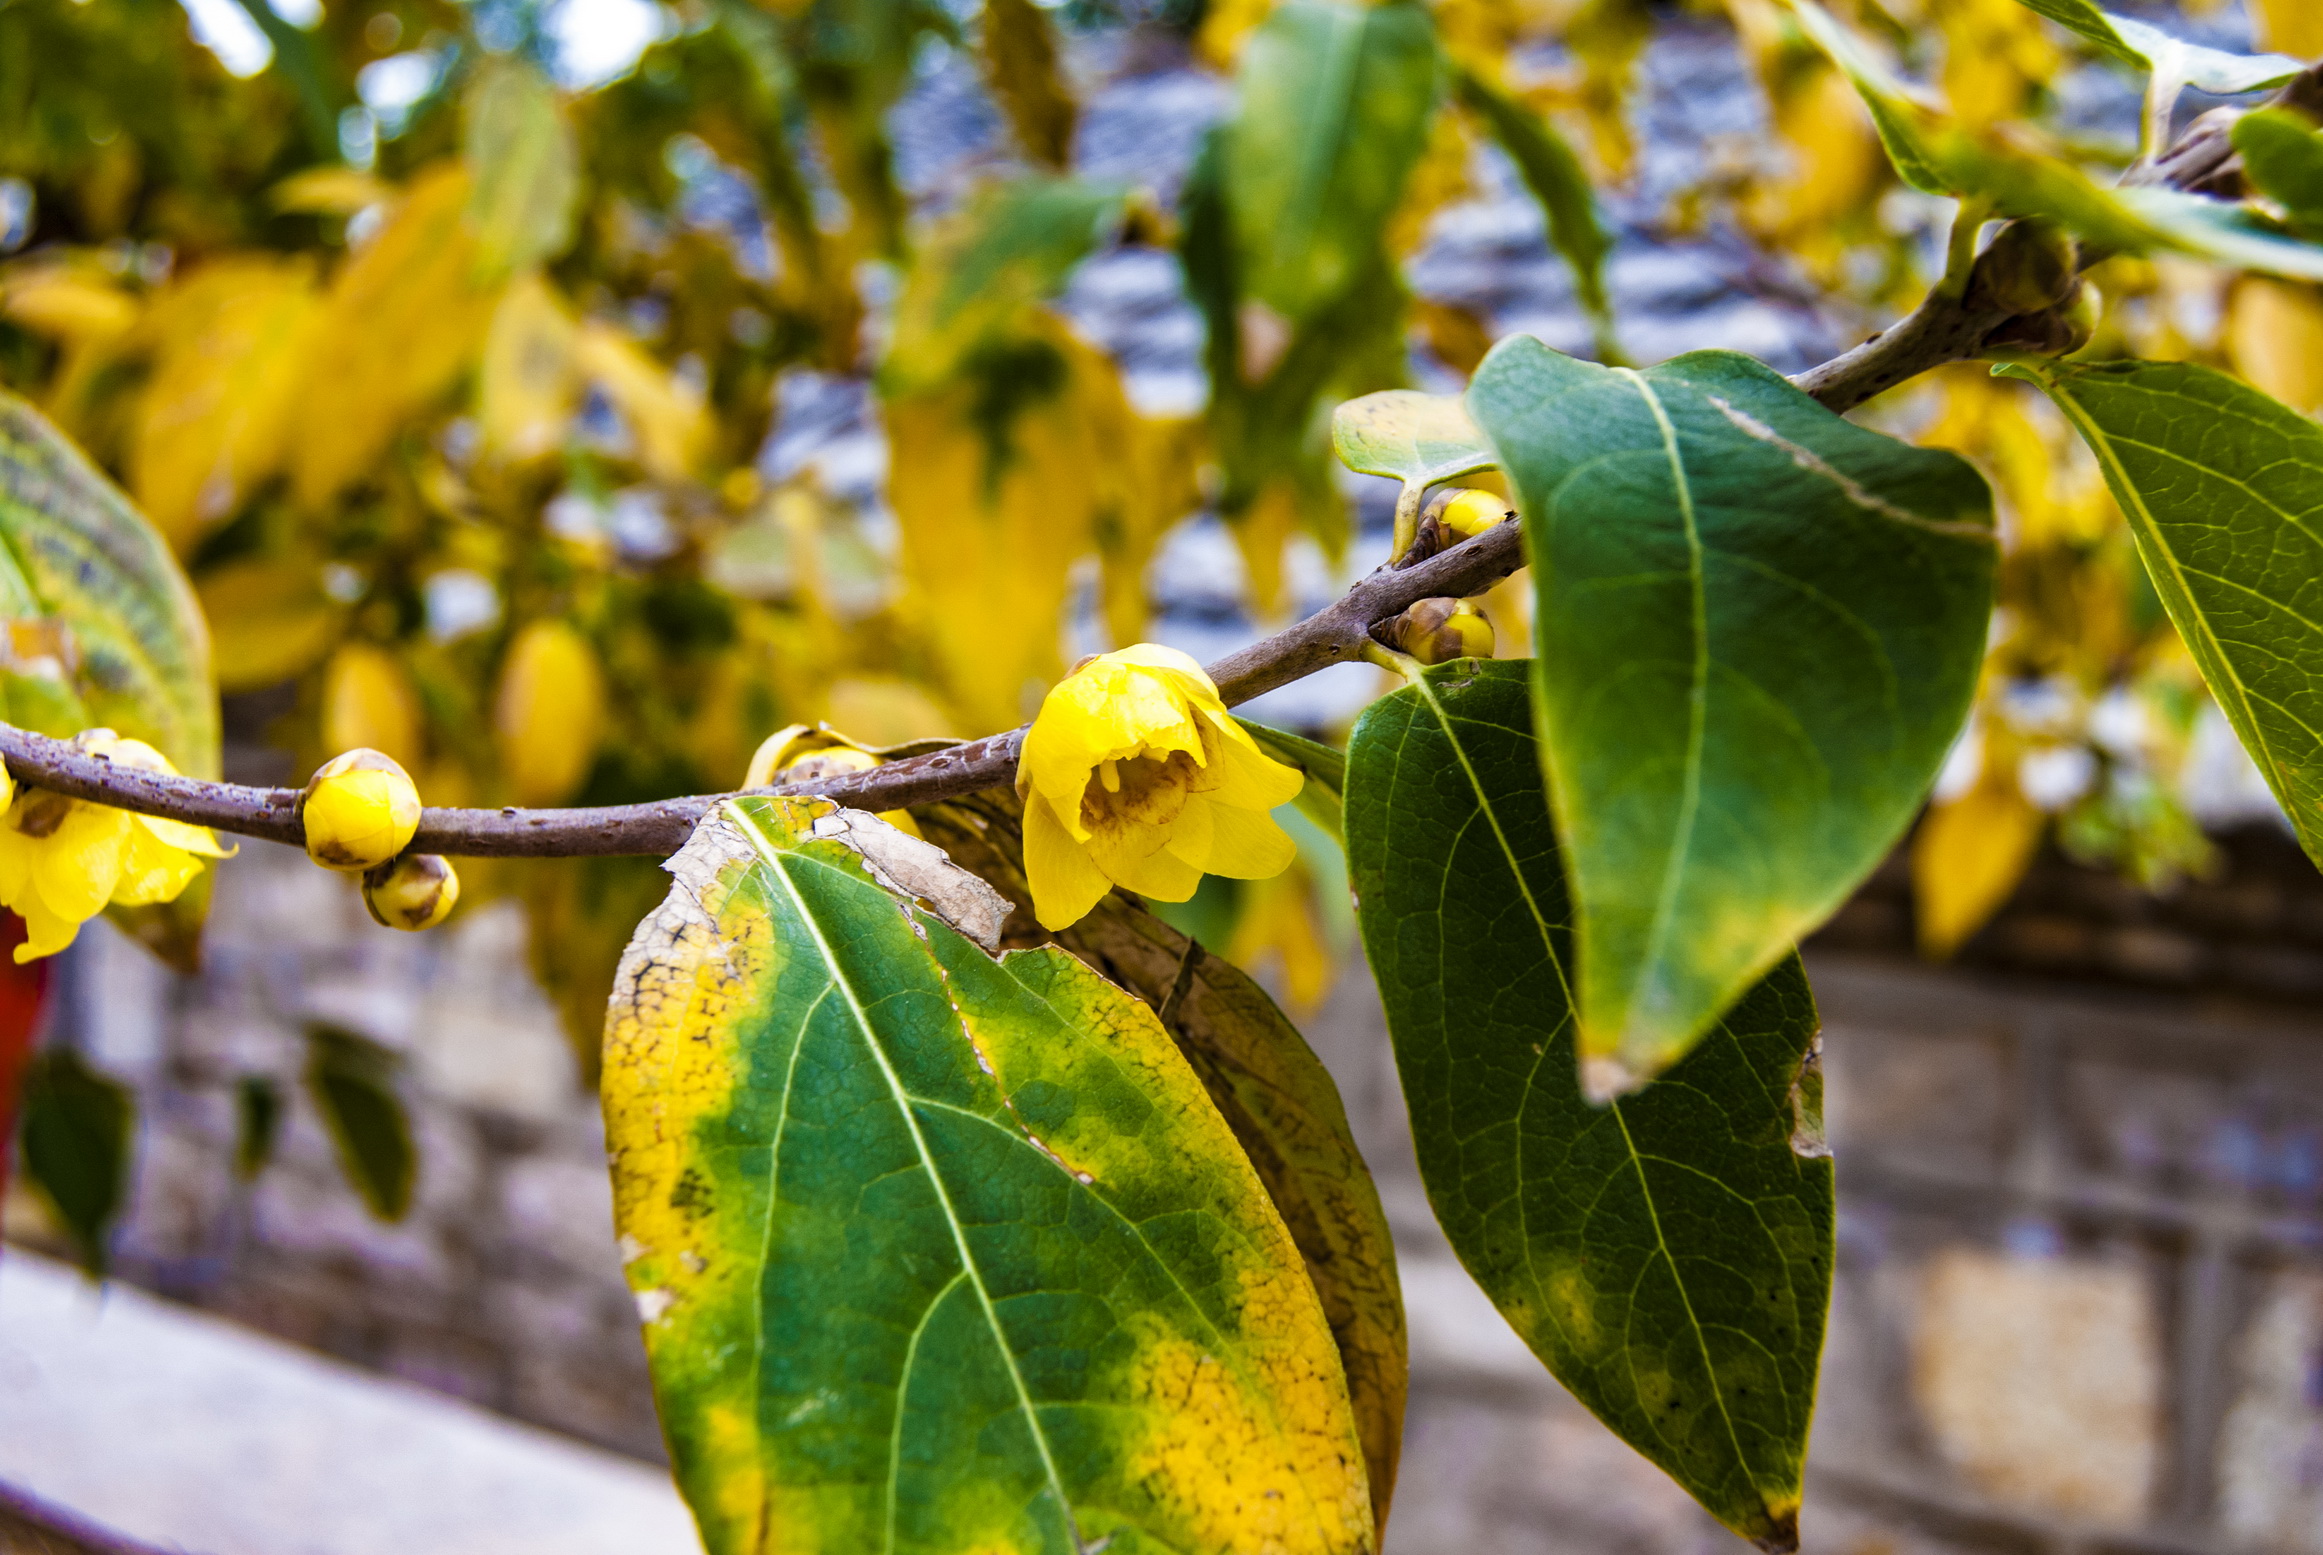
{"x":62,"y":860}
{"x":1134,"y":775}
{"x":796,"y":753}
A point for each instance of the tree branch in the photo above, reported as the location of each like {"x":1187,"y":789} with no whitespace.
{"x":1332,"y":636}
{"x":2202,"y":160}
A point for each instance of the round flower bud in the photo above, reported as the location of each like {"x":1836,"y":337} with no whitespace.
{"x":415,"y":892}
{"x":1437,"y":631}
{"x":360,"y":810}
{"x":2028,"y":269}
{"x":1469,"y":512}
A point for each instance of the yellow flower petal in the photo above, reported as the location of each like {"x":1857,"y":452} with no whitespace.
{"x":1065,"y":881}
{"x":1248,"y":776}
{"x":45,"y":933}
{"x":1247,"y":844}
{"x":1160,"y":874}
{"x":76,"y":866}
{"x":178,"y":834}
{"x":153,"y":871}
{"x":1190,"y":839}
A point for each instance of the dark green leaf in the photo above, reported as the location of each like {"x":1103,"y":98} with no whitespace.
{"x":75,"y":1135}
{"x":1555,"y":176}
{"x":939,"y":1252}
{"x":257,"y":1123}
{"x":1668,"y":1255}
{"x":1333,"y":110}
{"x":351,"y":1080}
{"x":2224,"y":491}
{"x":1760,"y":626}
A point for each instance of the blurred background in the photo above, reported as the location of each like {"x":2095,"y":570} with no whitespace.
{"x":562,"y":396}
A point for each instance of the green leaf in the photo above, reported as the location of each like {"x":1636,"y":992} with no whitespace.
{"x":1326,"y":771}
{"x":1333,"y":111}
{"x":1013,"y":246}
{"x":2224,"y":234}
{"x":938,"y":1252}
{"x":2173,"y":63}
{"x":1669,"y":1255}
{"x":2282,"y":151}
{"x":75,"y":1135}
{"x":73,"y":549}
{"x":527,"y":177}
{"x":1759,"y":628}
{"x":1404,"y":435}
{"x":1555,"y":176}
{"x":351,"y":1080}
{"x":2224,"y":491}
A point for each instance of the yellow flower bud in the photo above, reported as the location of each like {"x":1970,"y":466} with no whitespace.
{"x":1437,"y":631}
{"x":360,"y":811}
{"x":1467,"y":513}
{"x":550,"y":713}
{"x":417,"y":891}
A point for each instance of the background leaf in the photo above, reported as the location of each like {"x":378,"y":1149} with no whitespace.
{"x":351,"y":1081}
{"x":2282,"y":152}
{"x":2224,"y":491}
{"x":1669,"y":1255}
{"x":1334,"y":104}
{"x":938,"y":1252}
{"x":1759,"y":627}
{"x":1020,"y":61}
{"x":524,"y":174}
{"x":1554,"y":174}
{"x":75,"y":1137}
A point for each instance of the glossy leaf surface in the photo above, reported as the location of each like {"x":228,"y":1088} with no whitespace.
{"x":1668,"y":1255}
{"x":2224,"y":491}
{"x":938,"y":1252}
{"x":1759,"y":627}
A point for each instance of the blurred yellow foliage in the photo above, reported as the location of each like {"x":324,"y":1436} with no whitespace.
{"x":549,"y":713}
{"x":2274,"y":336}
{"x":369,"y":703}
{"x":1967,"y":858}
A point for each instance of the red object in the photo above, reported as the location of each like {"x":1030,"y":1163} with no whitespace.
{"x":23,"y":1000}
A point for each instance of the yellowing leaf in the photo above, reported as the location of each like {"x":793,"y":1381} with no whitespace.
{"x":2274,"y":333}
{"x":1020,"y":61}
{"x":269,"y":621}
{"x":1995,"y":51}
{"x":369,"y":702}
{"x":331,"y":191}
{"x":993,"y":518}
{"x":1159,"y":484}
{"x":228,"y":352}
{"x":1278,"y":924}
{"x":523,"y":169}
{"x":65,"y":302}
{"x":549,"y":713}
{"x":403,"y":319}
{"x":936,"y":1183}
{"x":527,"y":388}
{"x":666,"y":416}
{"x":2289,"y":26}
{"x":1967,"y":858}
{"x":882,"y":710}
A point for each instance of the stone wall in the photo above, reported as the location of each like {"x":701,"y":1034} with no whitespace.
{"x":2079,"y":1308}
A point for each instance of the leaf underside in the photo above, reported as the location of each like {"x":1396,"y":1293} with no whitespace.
{"x":1759,"y":628}
{"x":938,"y":1252}
{"x":2223,"y":487}
{"x":1669,"y":1255}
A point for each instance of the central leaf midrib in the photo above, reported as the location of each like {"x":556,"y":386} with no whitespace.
{"x":1629,"y":1142}
{"x":903,"y":1107}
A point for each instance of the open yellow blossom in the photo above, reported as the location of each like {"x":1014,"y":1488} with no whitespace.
{"x":1134,"y":775}
{"x":63,"y":860}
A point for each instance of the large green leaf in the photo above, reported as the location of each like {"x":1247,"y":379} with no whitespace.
{"x":1668,"y":1255}
{"x":943,"y":1252}
{"x":1334,"y":106}
{"x":1266,"y":1082}
{"x":1759,"y":629}
{"x":2224,"y":491}
{"x":76,"y":1136}
{"x":73,"y":550}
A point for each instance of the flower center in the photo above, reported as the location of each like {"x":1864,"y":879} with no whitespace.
{"x":1143,"y":789}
